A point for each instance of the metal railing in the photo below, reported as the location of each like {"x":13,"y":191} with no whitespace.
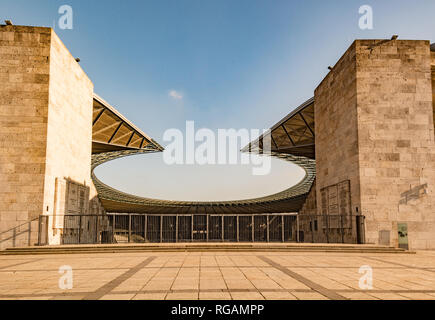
{"x":331,"y":228}
{"x":202,"y":228}
{"x":20,"y":235}
{"x":152,"y":228}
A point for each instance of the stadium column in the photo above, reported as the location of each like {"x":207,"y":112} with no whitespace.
{"x":113,"y":228}
{"x":297,"y":228}
{"x":238,"y":237}
{"x":145,"y":228}
{"x":176,"y":228}
{"x":129,"y":228}
{"x":252,"y":228}
{"x":268,"y":228}
{"x":282,"y":228}
{"x":207,"y":225}
{"x":161,"y":228}
{"x":223,"y":238}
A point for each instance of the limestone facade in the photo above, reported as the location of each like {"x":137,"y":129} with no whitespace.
{"x":24,"y":94}
{"x":433,"y":80}
{"x":69,"y":132}
{"x":45,"y":131}
{"x":374,"y":127}
{"x":310,"y":207}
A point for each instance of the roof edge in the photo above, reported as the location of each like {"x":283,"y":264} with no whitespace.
{"x":288,"y":116}
{"x":123,"y":118}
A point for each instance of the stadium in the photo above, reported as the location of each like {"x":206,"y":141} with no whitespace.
{"x":365,"y":141}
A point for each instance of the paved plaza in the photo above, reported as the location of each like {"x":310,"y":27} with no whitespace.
{"x":218,"y":275}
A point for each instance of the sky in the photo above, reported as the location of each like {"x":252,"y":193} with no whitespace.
{"x":221,"y":63}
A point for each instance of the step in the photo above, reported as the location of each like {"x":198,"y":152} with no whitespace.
{"x":201,"y":247}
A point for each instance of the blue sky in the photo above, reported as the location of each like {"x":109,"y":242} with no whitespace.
{"x":236,"y":64}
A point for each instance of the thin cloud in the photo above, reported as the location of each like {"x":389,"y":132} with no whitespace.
{"x":175,"y":95}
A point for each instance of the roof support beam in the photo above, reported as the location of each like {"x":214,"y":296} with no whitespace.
{"x":273,"y":140}
{"x":98,"y":116}
{"x":115,"y":132}
{"x":105,"y":128}
{"x":306,"y":123}
{"x":131,"y":137}
{"x":123,"y":136}
{"x":288,"y":135}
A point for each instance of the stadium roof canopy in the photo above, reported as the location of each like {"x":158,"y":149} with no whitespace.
{"x":294,"y":134}
{"x":292,"y":139}
{"x":111,"y":131}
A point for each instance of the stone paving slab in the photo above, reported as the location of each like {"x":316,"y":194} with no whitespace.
{"x":219,"y":275}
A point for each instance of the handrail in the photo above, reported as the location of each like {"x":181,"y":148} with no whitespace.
{"x":13,"y":230}
{"x":37,"y":218}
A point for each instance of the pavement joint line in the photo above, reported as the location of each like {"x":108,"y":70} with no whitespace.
{"x":328,"y":277}
{"x":148,"y":281}
{"x":32,"y":286}
{"x":199,"y":274}
{"x":84,"y":293}
{"x":92,"y":256}
{"x":20,"y":263}
{"x":175,"y":278}
{"x":385,"y":291}
{"x":222,"y":275}
{"x":259,"y":290}
{"x":239,"y":268}
{"x":401,"y":264}
{"x":105,"y":289}
{"x":316,"y":287}
{"x":202,"y":267}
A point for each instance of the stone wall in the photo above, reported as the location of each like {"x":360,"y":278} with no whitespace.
{"x":396,"y":140}
{"x":309,"y":206}
{"x":374,"y":126}
{"x":433,"y":81}
{"x":69,"y":133}
{"x":45,"y":132}
{"x":336,"y":131}
{"x":24,"y":94}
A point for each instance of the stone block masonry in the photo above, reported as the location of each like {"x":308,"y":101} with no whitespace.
{"x":45,"y":128}
{"x":24,"y":95}
{"x":374,"y":126}
{"x":374,"y":139}
{"x":335,"y":109}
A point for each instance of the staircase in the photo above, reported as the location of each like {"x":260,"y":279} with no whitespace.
{"x":203,"y":247}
